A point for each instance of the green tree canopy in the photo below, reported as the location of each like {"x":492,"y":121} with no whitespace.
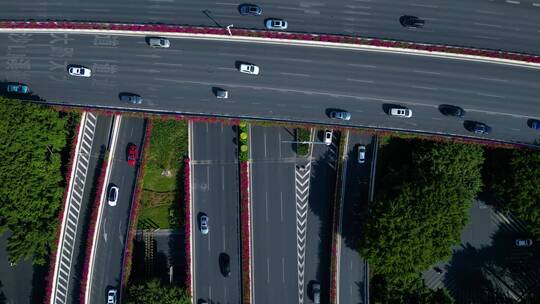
{"x":155,"y":292}
{"x":517,"y":184}
{"x":421,"y":207}
{"x":33,"y":139}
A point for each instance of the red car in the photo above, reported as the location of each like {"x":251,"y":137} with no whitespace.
{"x":132,"y":155}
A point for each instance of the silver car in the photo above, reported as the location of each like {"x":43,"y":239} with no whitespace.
{"x":524,"y":242}
{"x":343,"y":115}
{"x":159,"y":42}
{"x":275,"y":24}
{"x":131,"y":98}
{"x":222,"y":94}
{"x":111,"y":296}
{"x":361,"y":154}
{"x":203,"y":224}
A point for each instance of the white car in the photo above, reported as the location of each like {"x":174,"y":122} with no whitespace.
{"x":111,"y":296}
{"x":249,"y":68}
{"x":401,"y":112}
{"x":328,"y":137}
{"x":79,"y":71}
{"x":275,"y":24}
{"x":112,"y":198}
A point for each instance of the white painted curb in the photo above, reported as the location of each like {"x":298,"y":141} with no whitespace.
{"x":293,"y":42}
{"x":191,"y":206}
{"x":66,"y":208}
{"x":339,"y":239}
{"x":250,"y":221}
{"x":118,"y":119}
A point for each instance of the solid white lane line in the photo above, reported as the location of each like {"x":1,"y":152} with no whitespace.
{"x":424,"y":5}
{"x":223,"y":237}
{"x":360,"y":80}
{"x":266,"y":206}
{"x":488,"y":25}
{"x":294,"y":74}
{"x":223,"y":178}
{"x":283,"y":270}
{"x":281,"y":198}
{"x":267,"y":270}
{"x":265,"y":151}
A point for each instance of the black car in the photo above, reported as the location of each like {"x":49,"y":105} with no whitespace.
{"x":450,"y":110}
{"x":250,"y":9}
{"x":131,"y":98}
{"x":411,"y":21}
{"x":225,"y":264}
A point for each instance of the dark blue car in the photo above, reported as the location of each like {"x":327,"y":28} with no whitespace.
{"x":535,"y":124}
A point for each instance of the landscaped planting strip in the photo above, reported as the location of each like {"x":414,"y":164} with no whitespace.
{"x":52,"y":262}
{"x":187,"y":221}
{"x":162,"y":28}
{"x":245,"y":231}
{"x":132,"y":225}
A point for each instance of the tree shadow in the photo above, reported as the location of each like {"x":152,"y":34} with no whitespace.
{"x":500,"y":273}
{"x":321,"y":203}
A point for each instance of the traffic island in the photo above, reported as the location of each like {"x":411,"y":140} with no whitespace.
{"x":245,"y":211}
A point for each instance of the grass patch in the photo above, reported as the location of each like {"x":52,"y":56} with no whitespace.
{"x":302,"y":135}
{"x":163,"y":193}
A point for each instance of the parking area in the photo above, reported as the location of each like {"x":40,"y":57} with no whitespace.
{"x":488,"y":266}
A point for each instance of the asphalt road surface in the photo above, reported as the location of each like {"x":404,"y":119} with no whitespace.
{"x":295,"y":83}
{"x":100,"y":143}
{"x":319,"y":215}
{"x":353,"y":275}
{"x":216,"y":194}
{"x":112,"y":233}
{"x":275,"y":261}
{"x":487,"y":261}
{"x":500,"y":24}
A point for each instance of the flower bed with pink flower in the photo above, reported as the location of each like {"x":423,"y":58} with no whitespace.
{"x":52,"y":262}
{"x":187,"y":222}
{"x":245,"y":231}
{"x":270,"y":35}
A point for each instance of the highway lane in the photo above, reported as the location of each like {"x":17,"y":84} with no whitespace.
{"x":112,"y":233}
{"x":216,"y":193}
{"x":275,"y":260}
{"x":319,"y":215}
{"x":295,"y":83}
{"x":353,"y":272}
{"x":507,"y":25}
